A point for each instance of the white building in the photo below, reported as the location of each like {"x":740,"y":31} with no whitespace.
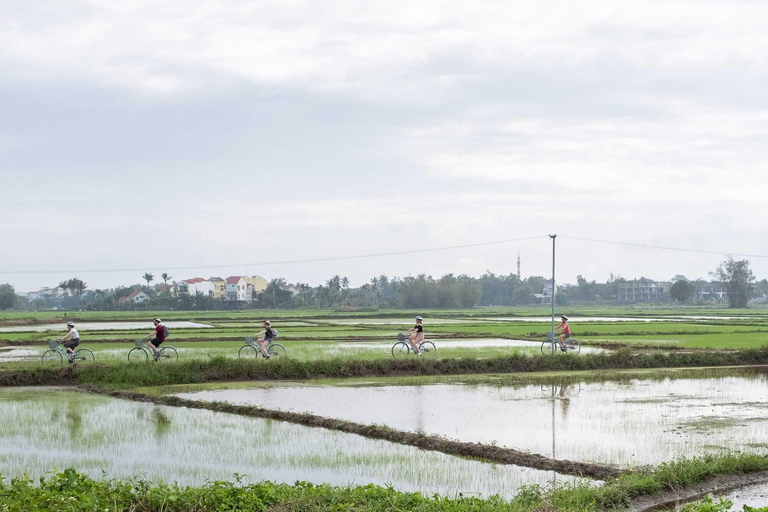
{"x":136,"y":297}
{"x":237,"y":290}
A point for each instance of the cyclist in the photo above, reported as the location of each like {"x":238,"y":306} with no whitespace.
{"x":159,"y":337}
{"x":265,"y":337}
{"x":416,"y":335}
{"x":565,"y":331}
{"x":70,"y":340}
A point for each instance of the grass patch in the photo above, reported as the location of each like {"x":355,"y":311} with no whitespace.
{"x":225,"y":369}
{"x":71,"y":491}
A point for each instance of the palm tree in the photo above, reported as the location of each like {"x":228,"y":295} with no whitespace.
{"x":165,"y":277}
{"x":148,"y":277}
{"x":345,"y":282}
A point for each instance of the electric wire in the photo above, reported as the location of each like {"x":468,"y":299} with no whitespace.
{"x":266,"y":263}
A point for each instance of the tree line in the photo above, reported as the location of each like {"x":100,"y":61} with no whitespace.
{"x":421,"y":291}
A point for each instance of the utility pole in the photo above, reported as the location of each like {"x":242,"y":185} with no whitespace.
{"x":553,"y":237}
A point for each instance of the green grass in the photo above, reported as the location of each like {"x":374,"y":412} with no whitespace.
{"x":226,"y":369}
{"x":71,"y":491}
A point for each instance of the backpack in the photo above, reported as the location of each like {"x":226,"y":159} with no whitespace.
{"x":274,"y":333}
{"x":166,"y":332}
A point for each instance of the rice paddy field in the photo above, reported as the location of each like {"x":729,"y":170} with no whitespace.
{"x":500,"y":438}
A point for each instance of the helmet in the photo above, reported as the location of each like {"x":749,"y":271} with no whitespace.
{"x":157,"y":320}
{"x":564,"y":317}
{"x":70,"y":324}
{"x":419,"y":318}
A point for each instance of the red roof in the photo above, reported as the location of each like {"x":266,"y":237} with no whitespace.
{"x":233,"y":279}
{"x":134,"y":294}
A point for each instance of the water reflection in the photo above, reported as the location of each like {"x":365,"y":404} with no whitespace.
{"x":44,"y":430}
{"x":592,"y":422}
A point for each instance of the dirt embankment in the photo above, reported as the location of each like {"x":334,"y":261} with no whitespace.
{"x":475,"y":450}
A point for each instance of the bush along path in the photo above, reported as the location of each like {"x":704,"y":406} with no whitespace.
{"x":124,"y":375}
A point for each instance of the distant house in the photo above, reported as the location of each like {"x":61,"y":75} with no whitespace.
{"x":642,"y":290}
{"x":545,"y":297}
{"x":290,"y":289}
{"x":219,"y":287}
{"x":136,"y":297}
{"x":237,"y":289}
{"x":258,"y":283}
{"x":33,"y":296}
{"x":712,"y":292}
{"x":191,"y":286}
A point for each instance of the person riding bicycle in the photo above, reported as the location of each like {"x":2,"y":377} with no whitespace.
{"x":565,"y":331}
{"x":265,"y":337}
{"x":70,"y":340}
{"x":416,"y":335}
{"x":159,"y":337}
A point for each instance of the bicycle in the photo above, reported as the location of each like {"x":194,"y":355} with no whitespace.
{"x":251,"y":350}
{"x":552,"y":345}
{"x":403,"y":347}
{"x":142,"y":351}
{"x":56,"y":354}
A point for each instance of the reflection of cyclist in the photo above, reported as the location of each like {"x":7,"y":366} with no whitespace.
{"x":565,"y":331}
{"x":159,"y":336}
{"x":71,"y":340}
{"x":416,"y":335}
{"x":265,"y":337}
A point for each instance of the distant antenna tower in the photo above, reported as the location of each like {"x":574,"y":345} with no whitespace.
{"x":518,"y":264}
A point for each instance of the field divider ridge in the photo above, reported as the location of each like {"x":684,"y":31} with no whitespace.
{"x":490,"y":453}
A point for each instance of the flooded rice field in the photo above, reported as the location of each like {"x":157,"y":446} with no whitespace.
{"x":753,"y":496}
{"x":628,"y":423}
{"x":44,"y":429}
{"x":525,"y":345}
{"x":104,"y":326}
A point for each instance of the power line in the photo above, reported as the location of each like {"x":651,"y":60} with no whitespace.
{"x":663,"y":248}
{"x":285,"y":262}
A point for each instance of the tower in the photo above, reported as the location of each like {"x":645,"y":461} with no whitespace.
{"x":518,"y":264}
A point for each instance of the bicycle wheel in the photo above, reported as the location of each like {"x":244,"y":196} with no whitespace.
{"x":428,"y":348}
{"x":168,"y":354}
{"x":52,"y":358}
{"x":84,"y":356}
{"x":400,"y":349}
{"x":137,"y":355}
{"x":573,"y":345}
{"x":548,"y":348}
{"x":276,"y":350}
{"x":247,"y":352}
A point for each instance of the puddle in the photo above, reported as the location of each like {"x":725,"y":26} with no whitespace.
{"x":753,"y":496}
{"x":103,"y":326}
{"x":46,"y":429}
{"x":628,"y":423}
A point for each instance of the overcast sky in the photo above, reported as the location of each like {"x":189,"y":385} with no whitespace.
{"x":150,"y":135}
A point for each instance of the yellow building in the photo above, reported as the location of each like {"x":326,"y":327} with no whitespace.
{"x":219,"y":287}
{"x":258,"y":283}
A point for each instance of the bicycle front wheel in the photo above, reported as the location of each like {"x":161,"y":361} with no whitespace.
{"x":400,"y":349}
{"x":137,"y":355}
{"x":52,"y":358}
{"x":573,"y":345}
{"x":168,"y":354}
{"x":428,"y":349}
{"x":247,"y":352}
{"x":276,"y":350}
{"x":547,"y":348}
{"x":84,"y":356}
